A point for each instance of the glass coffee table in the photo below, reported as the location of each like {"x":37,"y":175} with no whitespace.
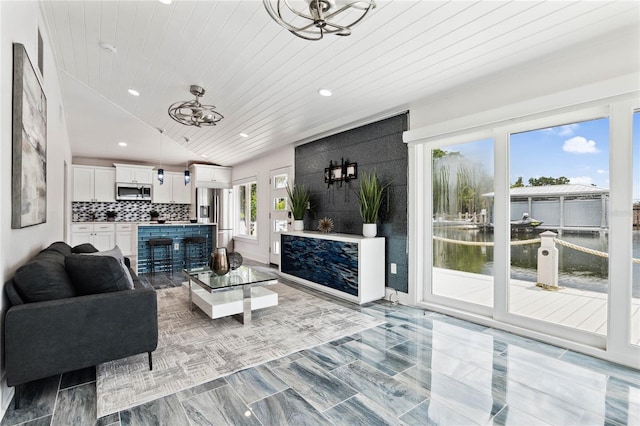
{"x":238,"y":292}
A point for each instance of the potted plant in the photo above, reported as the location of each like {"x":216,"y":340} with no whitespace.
{"x":111,"y":215}
{"x":370,"y":195}
{"x":298,"y":203}
{"x":154,"y":214}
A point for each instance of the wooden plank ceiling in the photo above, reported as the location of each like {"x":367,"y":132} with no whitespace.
{"x":265,"y":81}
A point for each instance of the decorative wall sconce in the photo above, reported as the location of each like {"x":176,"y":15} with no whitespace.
{"x":343,"y":172}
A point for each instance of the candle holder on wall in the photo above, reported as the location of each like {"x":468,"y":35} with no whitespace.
{"x":343,"y":172}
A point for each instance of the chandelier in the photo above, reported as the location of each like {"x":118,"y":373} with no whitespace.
{"x":312,"y":19}
{"x":193,"y":113}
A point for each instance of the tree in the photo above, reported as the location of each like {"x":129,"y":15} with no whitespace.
{"x":545,"y":181}
{"x":518,"y":183}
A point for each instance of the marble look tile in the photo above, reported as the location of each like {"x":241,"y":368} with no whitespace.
{"x":76,"y":405}
{"x":560,"y":368}
{"x":358,"y":411}
{"x":511,"y":416}
{"x":37,"y":400}
{"x":413,"y":351}
{"x":386,"y":361}
{"x":622,"y":402}
{"x":220,"y":406}
{"x":379,"y":337}
{"x":550,"y":409}
{"x":415,"y":332}
{"x":164,"y":411}
{"x":284,"y":360}
{"x":42,"y":421}
{"x":434,"y":413}
{"x":526,"y":343}
{"x":463,"y":399}
{"x":287,"y":408}
{"x":205,"y":387}
{"x":340,"y":341}
{"x":256,"y":383}
{"x":461,"y":324}
{"x":78,"y":377}
{"x":328,"y":356}
{"x":604,"y":367}
{"x":395,"y":396}
{"x":421,"y":374}
{"x":313,"y":383}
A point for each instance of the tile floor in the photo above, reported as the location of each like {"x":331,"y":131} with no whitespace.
{"x":420,"y":368}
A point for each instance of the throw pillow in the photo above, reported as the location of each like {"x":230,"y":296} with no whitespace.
{"x":117,"y":254}
{"x":95,"y":274}
{"x":60,"y":247}
{"x":84,"y":248}
{"x":43,"y":278}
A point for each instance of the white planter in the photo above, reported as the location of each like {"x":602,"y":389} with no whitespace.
{"x":369,"y":230}
{"x":298,"y":225}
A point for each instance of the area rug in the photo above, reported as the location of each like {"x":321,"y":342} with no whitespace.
{"x":194,"y":349}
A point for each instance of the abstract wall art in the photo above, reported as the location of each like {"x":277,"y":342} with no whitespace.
{"x":29,"y":159}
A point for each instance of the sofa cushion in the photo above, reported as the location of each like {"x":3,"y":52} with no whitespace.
{"x":96,"y":274}
{"x":84,"y":248}
{"x":60,"y":247}
{"x":117,"y":254}
{"x":12,"y":294}
{"x":44,"y":278}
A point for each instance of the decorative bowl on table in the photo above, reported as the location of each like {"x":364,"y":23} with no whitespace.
{"x":162,"y":220}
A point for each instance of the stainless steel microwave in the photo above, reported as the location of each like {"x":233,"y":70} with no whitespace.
{"x":133,"y":192}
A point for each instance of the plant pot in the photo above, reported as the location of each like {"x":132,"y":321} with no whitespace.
{"x":369,"y":230}
{"x":111,"y":219}
{"x":298,"y":225}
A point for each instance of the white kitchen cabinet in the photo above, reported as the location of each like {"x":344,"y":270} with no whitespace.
{"x":126,"y":173}
{"x":94,"y":184}
{"x":173,"y":190}
{"x":124,"y":238}
{"x":206,"y":176}
{"x":101,"y":235}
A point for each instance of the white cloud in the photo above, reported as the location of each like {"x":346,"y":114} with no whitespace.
{"x":579,"y":145}
{"x":600,"y":171}
{"x":566,"y":130}
{"x":581,"y":180}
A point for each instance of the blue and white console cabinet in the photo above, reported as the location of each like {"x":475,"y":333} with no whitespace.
{"x":348,"y":266}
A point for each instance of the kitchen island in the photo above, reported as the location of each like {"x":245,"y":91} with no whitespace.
{"x":177,"y":231}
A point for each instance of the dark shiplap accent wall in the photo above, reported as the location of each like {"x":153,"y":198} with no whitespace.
{"x":377,"y":146}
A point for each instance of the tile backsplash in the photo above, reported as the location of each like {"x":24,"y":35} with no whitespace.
{"x":128,"y":211}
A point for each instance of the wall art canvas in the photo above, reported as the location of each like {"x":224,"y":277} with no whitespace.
{"x":29,"y":167}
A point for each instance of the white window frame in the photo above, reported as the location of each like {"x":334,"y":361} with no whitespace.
{"x":246,"y":184}
{"x":616,"y":345}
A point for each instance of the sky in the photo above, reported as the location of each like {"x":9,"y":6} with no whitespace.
{"x":579,"y":152}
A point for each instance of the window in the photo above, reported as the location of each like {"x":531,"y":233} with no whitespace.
{"x":246,"y":196}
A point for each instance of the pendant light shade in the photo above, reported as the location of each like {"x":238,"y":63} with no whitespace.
{"x":161,"y":170}
{"x":187,"y":175}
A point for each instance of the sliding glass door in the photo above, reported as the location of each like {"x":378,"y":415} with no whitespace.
{"x":559,"y":204}
{"x":462,"y":234}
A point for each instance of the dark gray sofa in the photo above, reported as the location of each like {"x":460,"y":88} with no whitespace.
{"x":56,"y":324}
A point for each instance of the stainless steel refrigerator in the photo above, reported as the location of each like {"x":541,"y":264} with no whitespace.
{"x":216,"y":206}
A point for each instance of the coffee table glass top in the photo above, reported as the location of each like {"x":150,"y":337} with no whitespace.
{"x":242,"y":276}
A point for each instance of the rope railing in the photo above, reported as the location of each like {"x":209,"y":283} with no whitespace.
{"x":531,"y":241}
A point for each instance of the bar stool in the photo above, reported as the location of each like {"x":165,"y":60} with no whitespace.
{"x":166,"y":261}
{"x":195,"y":251}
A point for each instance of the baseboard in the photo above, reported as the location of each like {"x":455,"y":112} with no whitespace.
{"x":395,"y":296}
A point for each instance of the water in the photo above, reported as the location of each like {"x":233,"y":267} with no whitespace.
{"x":575,"y":269}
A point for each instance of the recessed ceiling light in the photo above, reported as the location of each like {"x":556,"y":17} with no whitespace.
{"x":133,"y":92}
{"x":204,"y":155}
{"x":165,"y":1}
{"x":244,"y":135}
{"x":122,"y":143}
{"x":108,"y":47}
{"x":324,"y":92}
